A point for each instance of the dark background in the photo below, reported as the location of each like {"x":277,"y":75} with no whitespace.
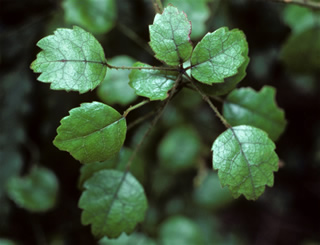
{"x":288,"y":213}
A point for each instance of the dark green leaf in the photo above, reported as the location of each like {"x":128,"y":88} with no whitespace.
{"x":118,"y":162}
{"x":245,"y":158}
{"x":95,"y":15}
{"x":133,"y":239}
{"x":113,"y":202}
{"x":115,"y":88}
{"x":170,"y":36}
{"x":153,"y":84}
{"x":92,"y":132}
{"x":301,"y":52}
{"x":180,"y":230}
{"x":258,"y":109}
{"x":210,"y":194}
{"x":179,"y":149}
{"x":36,"y":192}
{"x":71,"y":60}
{"x":197,"y":12}
{"x":218,"y":55}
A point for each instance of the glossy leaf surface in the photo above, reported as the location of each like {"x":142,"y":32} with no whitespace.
{"x":97,"y":16}
{"x":92,"y":132}
{"x":258,"y":109}
{"x":36,"y":192}
{"x":245,"y":159}
{"x":170,"y":36}
{"x":218,"y":55}
{"x":71,"y":60}
{"x":113,"y":202}
{"x":153,"y":84}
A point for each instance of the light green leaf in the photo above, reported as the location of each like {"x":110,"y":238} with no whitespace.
{"x":300,"y":18}
{"x":113,"y":202}
{"x":210,"y":194}
{"x":71,"y":60}
{"x":258,"y":109}
{"x":179,"y":149}
{"x":36,"y":192}
{"x":218,"y":55}
{"x":301,"y":52}
{"x":118,"y":162}
{"x":97,"y":16}
{"x":245,"y":158}
{"x":115,"y":88}
{"x":217,"y":89}
{"x":153,"y":84}
{"x":92,"y":132}
{"x":170,"y":36}
{"x":134,"y":238}
{"x":180,"y":230}
{"x":197,"y":12}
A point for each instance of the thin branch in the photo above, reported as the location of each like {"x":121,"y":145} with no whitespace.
{"x":303,"y":3}
{"x":131,"y":108}
{"x":154,"y":121}
{"x":158,"y":6}
{"x":159,"y":68}
{"x":207,"y":99}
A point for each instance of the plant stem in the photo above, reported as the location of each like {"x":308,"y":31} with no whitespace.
{"x":212,"y":106}
{"x":158,"y":6}
{"x":131,"y":108}
{"x":304,"y":3}
{"x":143,"y":68}
{"x":154,"y":121}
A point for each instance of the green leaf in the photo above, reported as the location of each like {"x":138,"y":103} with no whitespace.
{"x":36,"y":192}
{"x":218,"y":55}
{"x":210,"y":194}
{"x":179,"y":149}
{"x":258,"y":109}
{"x":153,"y":84}
{"x":170,"y":36}
{"x":197,"y":12}
{"x":217,"y":89}
{"x":92,"y":132}
{"x":113,"y":202}
{"x":134,"y":238}
{"x":180,"y":230}
{"x":118,"y":162}
{"x":300,"y":18}
{"x":71,"y":60}
{"x":97,"y":16}
{"x":301,"y":52}
{"x":245,"y":158}
{"x":115,"y":88}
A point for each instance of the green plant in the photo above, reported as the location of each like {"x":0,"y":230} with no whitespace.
{"x":113,"y":200}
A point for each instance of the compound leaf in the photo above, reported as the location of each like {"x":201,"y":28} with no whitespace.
{"x":170,"y":36}
{"x":97,"y":16}
{"x":36,"y":192}
{"x":245,"y":159}
{"x":218,"y":55}
{"x":258,"y":109}
{"x":92,"y":132}
{"x":115,"y":88}
{"x":113,"y":202}
{"x":71,"y":60}
{"x":153,"y":84}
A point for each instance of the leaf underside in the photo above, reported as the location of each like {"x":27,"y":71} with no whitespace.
{"x":245,"y":159}
{"x":218,"y":55}
{"x":113,"y":202}
{"x":170,"y":36}
{"x":258,"y":109}
{"x":92,"y":132}
{"x":71,"y":60}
